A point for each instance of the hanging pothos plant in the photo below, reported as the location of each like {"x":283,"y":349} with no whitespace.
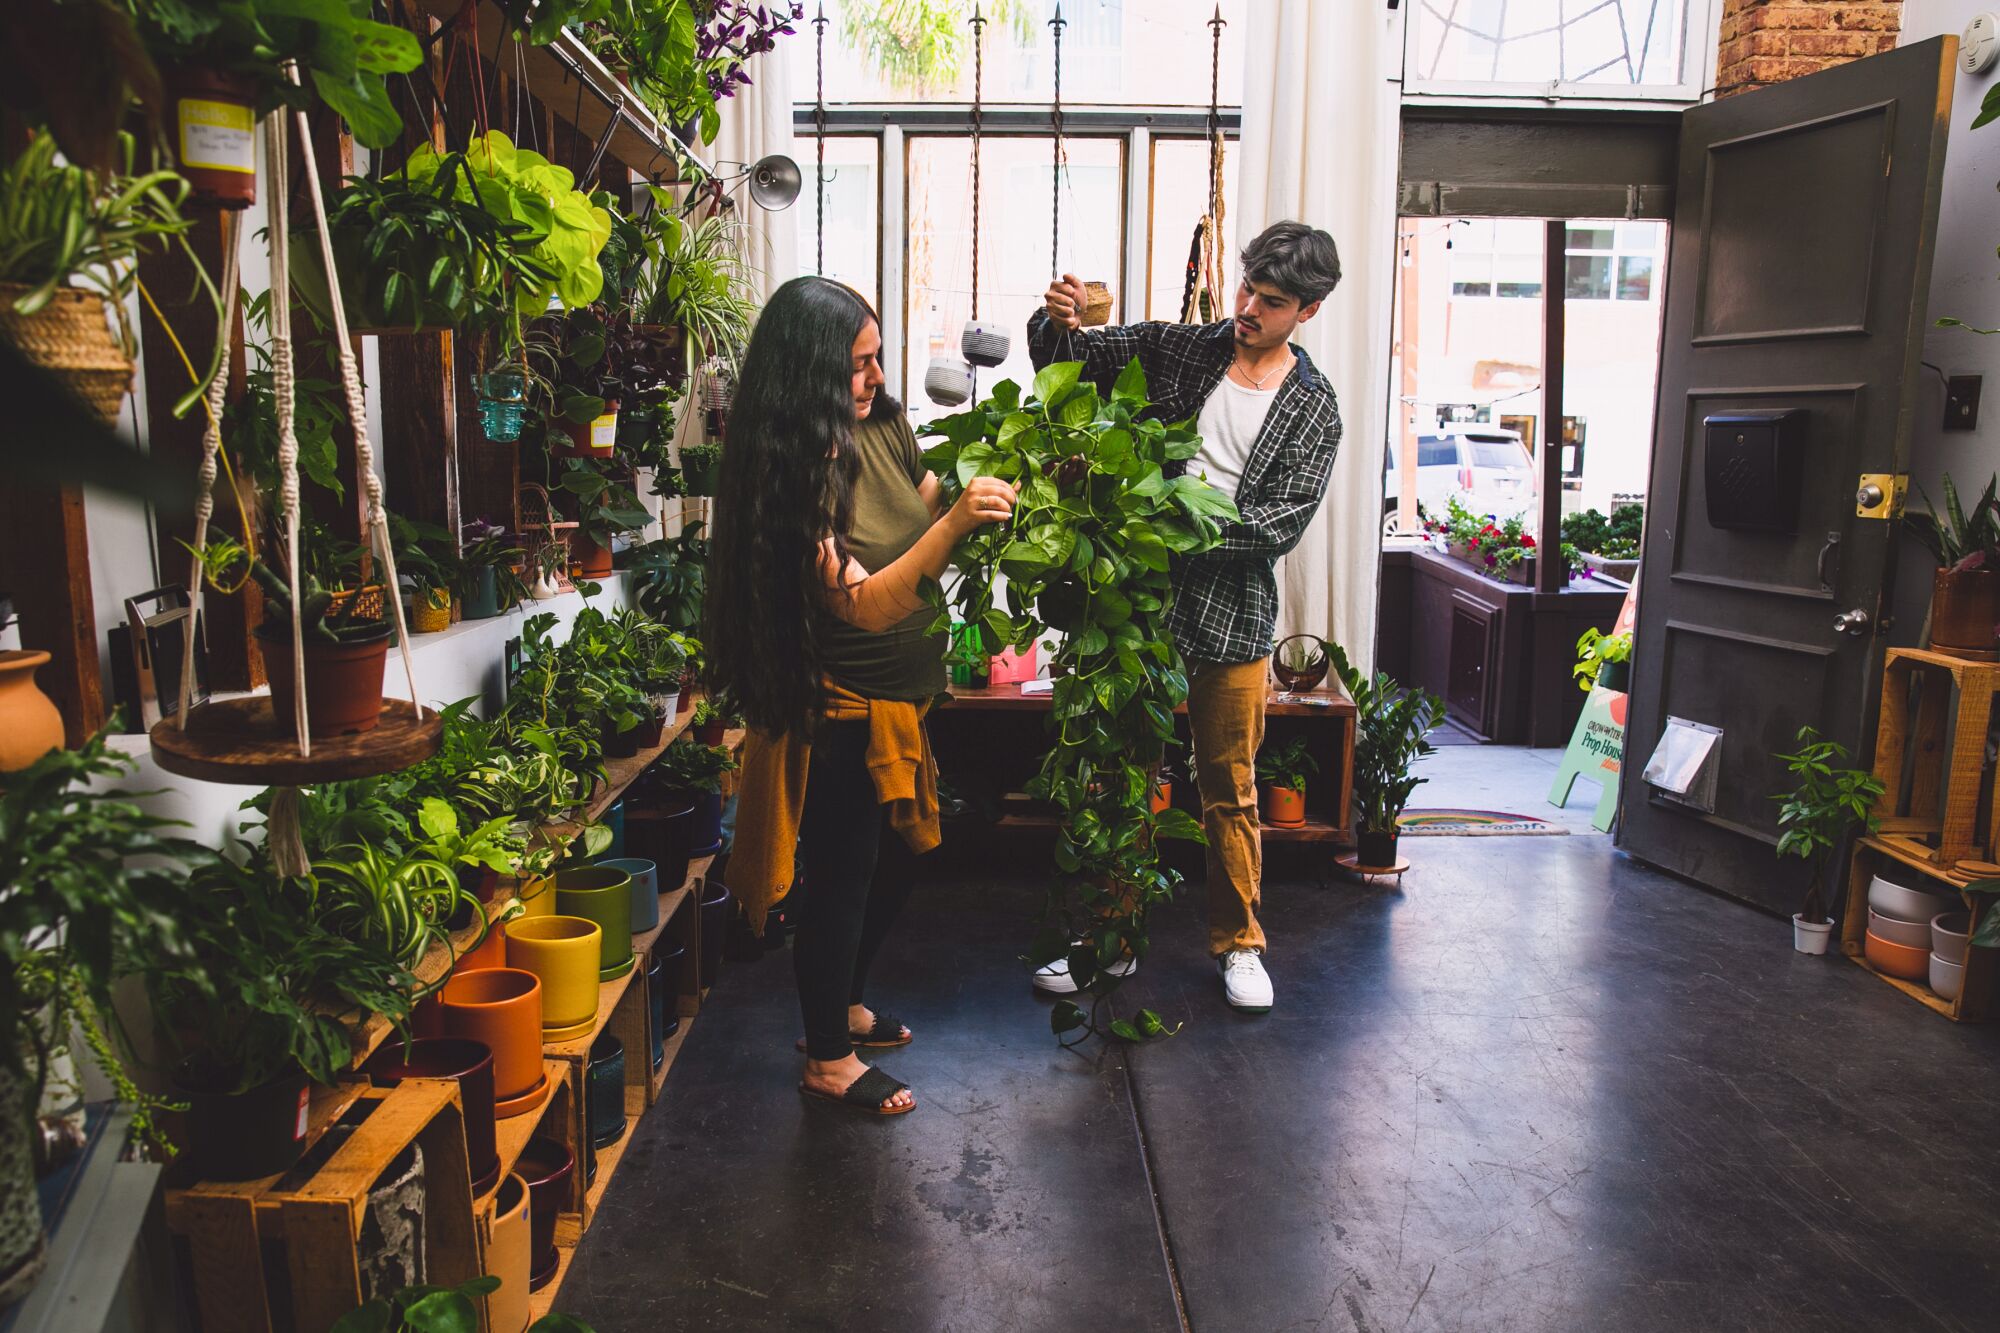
{"x":1095,"y":531}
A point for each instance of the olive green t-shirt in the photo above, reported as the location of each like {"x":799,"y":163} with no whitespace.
{"x":905,"y":661}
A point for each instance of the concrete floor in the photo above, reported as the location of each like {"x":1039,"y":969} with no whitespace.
{"x":1539,"y":1087}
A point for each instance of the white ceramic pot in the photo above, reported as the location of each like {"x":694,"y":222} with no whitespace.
{"x":1916,"y":934}
{"x":1905,"y":903}
{"x":1810,"y":936}
{"x":1947,"y":977}
{"x":984,"y":343}
{"x":948,"y":381}
{"x":1950,"y":933}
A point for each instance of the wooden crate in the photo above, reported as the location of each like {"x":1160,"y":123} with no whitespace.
{"x":1938,"y":804}
{"x":1982,"y":972}
{"x":251,"y":1241}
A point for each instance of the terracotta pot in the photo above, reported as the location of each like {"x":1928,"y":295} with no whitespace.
{"x":343,"y":682}
{"x":1375,"y":849}
{"x":509,"y":1257}
{"x":213,"y":133}
{"x":501,"y":1007}
{"x":592,"y":439}
{"x":431,"y":613}
{"x":588,"y":559}
{"x":1965,"y":604}
{"x":711,"y":733}
{"x":686,"y":702}
{"x":645,"y":890}
{"x":1910,"y":962}
{"x":545,"y":1167}
{"x":489,"y":952}
{"x":243,"y":1135}
{"x":471,"y":1063}
{"x":30,"y":725}
{"x":563,"y":951}
{"x":603,"y":895}
{"x":604,"y":1091}
{"x":1284,"y":807}
{"x":718,"y":905}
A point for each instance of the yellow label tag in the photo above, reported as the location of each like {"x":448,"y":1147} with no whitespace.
{"x":604,"y":432}
{"x":218,"y":136}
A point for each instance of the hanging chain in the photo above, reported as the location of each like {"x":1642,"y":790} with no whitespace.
{"x":1055,"y":193}
{"x":979,"y":87}
{"x":819,"y":132}
{"x":1215,"y":26}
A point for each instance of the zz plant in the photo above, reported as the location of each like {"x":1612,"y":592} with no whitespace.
{"x":1393,"y":726}
{"x":1088,"y":554}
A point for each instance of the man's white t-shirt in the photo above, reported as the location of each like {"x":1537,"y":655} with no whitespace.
{"x":1229,"y":424}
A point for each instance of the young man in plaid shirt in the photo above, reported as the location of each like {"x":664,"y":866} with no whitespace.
{"x":1269,"y":429}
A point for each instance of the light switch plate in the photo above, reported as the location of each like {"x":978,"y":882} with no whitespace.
{"x":1961,"y":402}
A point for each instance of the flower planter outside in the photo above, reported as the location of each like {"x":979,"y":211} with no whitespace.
{"x":1284,"y":807}
{"x":471,"y":1063}
{"x":1375,"y":849}
{"x":214,"y":134}
{"x":563,"y":952}
{"x":343,"y":682}
{"x":484,"y":603}
{"x":1965,"y":604}
{"x":509,"y":1257}
{"x":545,"y":1168}
{"x":603,"y":895}
{"x":30,"y":724}
{"x":718,"y":905}
{"x":645,"y":890}
{"x":501,"y":1007}
{"x":243,"y":1135}
{"x":430,"y":613}
{"x":604,"y":1091}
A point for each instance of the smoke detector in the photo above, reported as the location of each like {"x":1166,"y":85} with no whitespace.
{"x":1979,"y":45}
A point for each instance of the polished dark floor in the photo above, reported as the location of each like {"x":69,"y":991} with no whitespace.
{"x":1540,"y":1087}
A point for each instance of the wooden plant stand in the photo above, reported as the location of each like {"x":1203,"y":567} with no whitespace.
{"x":1931,"y":757}
{"x":314,"y":1229}
{"x":1982,"y":970}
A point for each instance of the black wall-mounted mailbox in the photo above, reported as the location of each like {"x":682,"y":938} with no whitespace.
{"x":1754,"y":466}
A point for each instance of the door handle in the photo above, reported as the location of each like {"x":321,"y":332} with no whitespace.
{"x":1869,"y":496}
{"x":1825,"y":553}
{"x":1853,"y":622}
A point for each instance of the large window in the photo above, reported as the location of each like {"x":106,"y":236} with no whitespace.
{"x":1180,"y":187}
{"x":1601,"y":49}
{"x":853,"y":213}
{"x":1016,"y":182}
{"x":1603,"y":261}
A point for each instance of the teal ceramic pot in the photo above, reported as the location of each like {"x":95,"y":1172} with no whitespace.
{"x":604,"y":895}
{"x":604,"y":1091}
{"x":614,"y":819}
{"x":645,"y":890}
{"x":484,"y":603}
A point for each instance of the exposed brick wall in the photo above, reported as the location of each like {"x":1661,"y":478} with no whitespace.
{"x":1769,"y":41}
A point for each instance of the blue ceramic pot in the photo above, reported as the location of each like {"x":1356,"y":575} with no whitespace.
{"x":604,"y":1093}
{"x":645,"y":890}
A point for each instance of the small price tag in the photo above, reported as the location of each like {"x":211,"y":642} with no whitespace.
{"x":604,"y":432}
{"x":218,"y":136}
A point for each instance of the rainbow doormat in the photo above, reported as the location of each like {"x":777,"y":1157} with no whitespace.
{"x":1473,"y":824}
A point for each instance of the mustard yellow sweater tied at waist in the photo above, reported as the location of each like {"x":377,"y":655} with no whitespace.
{"x":771,"y":793}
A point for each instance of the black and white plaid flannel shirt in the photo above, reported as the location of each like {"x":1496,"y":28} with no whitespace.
{"x":1226,"y":600}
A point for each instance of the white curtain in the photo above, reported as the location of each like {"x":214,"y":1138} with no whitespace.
{"x":757,"y":122}
{"x":1319,"y":145}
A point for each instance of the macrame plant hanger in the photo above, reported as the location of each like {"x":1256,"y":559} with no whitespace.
{"x":1201,"y":293}
{"x":983,"y":344}
{"x":242,"y":740}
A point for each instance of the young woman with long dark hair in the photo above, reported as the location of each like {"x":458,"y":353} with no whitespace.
{"x":816,"y":625}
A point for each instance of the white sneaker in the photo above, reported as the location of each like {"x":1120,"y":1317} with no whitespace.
{"x":1056,"y":980}
{"x":1245,"y":983}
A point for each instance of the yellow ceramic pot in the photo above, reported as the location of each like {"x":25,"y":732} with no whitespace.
{"x":563,"y":951}
{"x":30,"y":726}
{"x":538,"y":897}
{"x":431,"y":613}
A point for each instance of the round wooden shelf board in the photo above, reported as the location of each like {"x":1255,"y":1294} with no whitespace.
{"x":240,"y":741}
{"x":1351,"y":861}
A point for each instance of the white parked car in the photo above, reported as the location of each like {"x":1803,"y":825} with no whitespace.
{"x":1490,"y":468}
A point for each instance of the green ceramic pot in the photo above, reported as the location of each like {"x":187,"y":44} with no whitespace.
{"x":604,"y":895}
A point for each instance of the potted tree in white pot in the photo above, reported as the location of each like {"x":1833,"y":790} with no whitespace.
{"x":1827,"y":805}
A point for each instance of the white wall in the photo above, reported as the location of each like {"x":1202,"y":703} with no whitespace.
{"x":1965,"y":284}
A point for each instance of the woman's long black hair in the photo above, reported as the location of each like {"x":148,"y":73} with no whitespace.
{"x":786,"y":485}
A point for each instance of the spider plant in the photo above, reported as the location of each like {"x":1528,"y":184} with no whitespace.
{"x":396,"y":901}
{"x":701,"y":283}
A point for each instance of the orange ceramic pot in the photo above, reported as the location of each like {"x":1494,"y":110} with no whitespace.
{"x":590,"y":560}
{"x":30,"y":726}
{"x":508,"y":1257}
{"x":489,"y":952}
{"x":563,"y":951}
{"x":1910,"y":962}
{"x":501,"y":1006}
{"x":1284,"y":807}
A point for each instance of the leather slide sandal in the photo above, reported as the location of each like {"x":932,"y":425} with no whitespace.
{"x":888,"y":1033}
{"x":867,"y":1093}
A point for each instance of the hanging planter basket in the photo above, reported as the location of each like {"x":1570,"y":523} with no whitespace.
{"x":71,"y":338}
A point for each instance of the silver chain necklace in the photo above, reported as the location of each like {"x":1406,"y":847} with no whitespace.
{"x":1255,"y":381}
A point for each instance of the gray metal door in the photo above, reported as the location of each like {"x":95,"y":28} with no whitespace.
{"x":1804,"y":222}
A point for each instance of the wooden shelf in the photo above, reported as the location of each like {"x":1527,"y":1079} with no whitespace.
{"x":554,"y":71}
{"x":619,"y":775}
{"x":1923,"y":995}
{"x":608,"y":996}
{"x":433,"y":967}
{"x":512,"y":1134}
{"x":540,"y":1302}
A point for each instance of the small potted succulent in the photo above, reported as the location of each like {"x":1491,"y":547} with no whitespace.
{"x":1815,"y":819}
{"x":489,"y":579}
{"x":1604,"y":659}
{"x":1300,"y":663}
{"x":1392,"y":729}
{"x":1283,"y":770}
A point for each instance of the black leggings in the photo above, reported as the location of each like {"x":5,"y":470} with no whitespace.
{"x":858,"y":874}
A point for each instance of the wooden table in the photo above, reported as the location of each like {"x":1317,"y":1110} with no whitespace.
{"x":987,"y":747}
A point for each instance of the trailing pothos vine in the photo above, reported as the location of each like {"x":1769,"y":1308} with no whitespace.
{"x":1088,"y":553}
